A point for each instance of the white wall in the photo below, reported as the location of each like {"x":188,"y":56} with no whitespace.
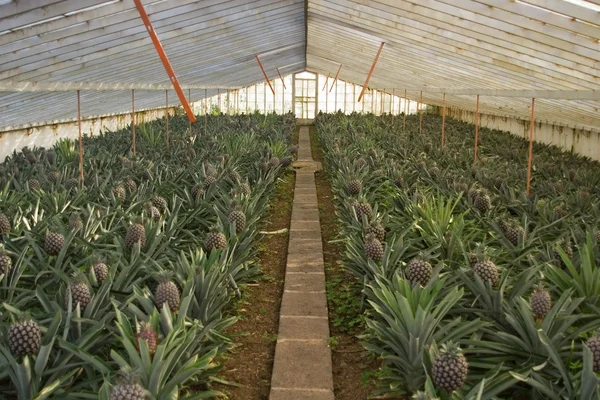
{"x":47,"y":135}
{"x":579,"y":141}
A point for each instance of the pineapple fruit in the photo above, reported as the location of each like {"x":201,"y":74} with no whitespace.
{"x":24,"y":338}
{"x":136,"y":233}
{"x":215,"y":240}
{"x":128,"y":388}
{"x":419,"y":272}
{"x":373,"y":248}
{"x":540,"y":301}
{"x":147,"y":333}
{"x":450,"y":368}
{"x":593,"y":344}
{"x":237,"y":217}
{"x":80,"y":293}
{"x":54,"y":243}
{"x":487,"y":271}
{"x":166,"y":292}
{"x":4,"y":224}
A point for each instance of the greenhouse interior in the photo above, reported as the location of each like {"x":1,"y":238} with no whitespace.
{"x":300,"y":199}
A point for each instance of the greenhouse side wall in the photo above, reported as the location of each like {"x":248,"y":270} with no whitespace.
{"x":47,"y":135}
{"x":583,"y":142}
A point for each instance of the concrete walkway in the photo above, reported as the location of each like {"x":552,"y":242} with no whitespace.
{"x":302,"y":369}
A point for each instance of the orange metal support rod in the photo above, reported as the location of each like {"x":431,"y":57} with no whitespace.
{"x":443,"y":121}
{"x":326,"y":80}
{"x":80,"y":138}
{"x":133,"y":120}
{"x":167,"y":114}
{"x":281,"y":77}
{"x":392,"y":106}
{"x":165,"y":60}
{"x":421,"y":114}
{"x":476,"y":130}
{"x":531,"y":128}
{"x":265,"y":74}
{"x":205,"y":110}
{"x":336,"y":76}
{"x":190,"y":102}
{"x":362,"y":92}
{"x":405,"y":111}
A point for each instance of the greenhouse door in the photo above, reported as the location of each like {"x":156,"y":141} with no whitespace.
{"x":305,"y":95}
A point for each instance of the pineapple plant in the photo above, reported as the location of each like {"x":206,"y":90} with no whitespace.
{"x":540,"y":301}
{"x":373,"y":248}
{"x":487,"y":271}
{"x":160,"y":203}
{"x":4,"y":224}
{"x":24,"y":338}
{"x":273,"y":162}
{"x":136,"y":233}
{"x":244,"y":188}
{"x":128,"y":388}
{"x":147,"y":333}
{"x":215,"y":240}
{"x":71,"y":183}
{"x":286,"y":161}
{"x":419,"y":272}
{"x":354,"y":187}
{"x":54,"y":243}
{"x":450,"y":368}
{"x":79,"y":291}
{"x":593,"y":344}
{"x":166,"y":292}
{"x":237,"y":217}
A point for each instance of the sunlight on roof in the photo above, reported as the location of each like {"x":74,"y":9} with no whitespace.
{"x":585,"y":4}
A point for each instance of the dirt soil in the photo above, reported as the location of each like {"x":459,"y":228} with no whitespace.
{"x":250,"y":364}
{"x":353,"y":369}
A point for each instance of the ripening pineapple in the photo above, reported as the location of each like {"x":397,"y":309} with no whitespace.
{"x":399,"y":181}
{"x":237,"y":217}
{"x":166,"y":292}
{"x":148,"y":334}
{"x":130,"y":185}
{"x":293,"y":149}
{"x":419,"y":272}
{"x":215,"y":240}
{"x":244,"y":188}
{"x":597,"y":237}
{"x":5,"y":262}
{"x":561,"y":211}
{"x":482,"y":203}
{"x":354,"y":187}
{"x":53,"y":243}
{"x":71,"y":183}
{"x":209,"y":181}
{"x":514,"y":233}
{"x":80,"y":293}
{"x":209,"y":169}
{"x":373,"y":248}
{"x":34,"y":184}
{"x":450,"y":368}
{"x":558,"y":186}
{"x":360,"y":163}
{"x":136,"y":233}
{"x":53,"y":176}
{"x":147,"y":175}
{"x":75,"y":222}
{"x":376,"y":229}
{"x":160,"y":203}
{"x":572,"y":174}
{"x":286,"y":161}
{"x":24,"y":338}
{"x":593,"y":344}
{"x":152,"y":212}
{"x":197,"y":192}
{"x":128,"y":388}
{"x":487,"y":271}
{"x":119,"y":193}
{"x":4,"y":224}
{"x":540,"y":301}
{"x":273,"y":162}
{"x":100,"y":271}
{"x":363,"y":208}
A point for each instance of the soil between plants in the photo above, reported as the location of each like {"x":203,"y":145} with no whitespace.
{"x":352,"y":366}
{"x":249,"y":365}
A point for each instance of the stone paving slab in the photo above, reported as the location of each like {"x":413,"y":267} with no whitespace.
{"x":302,"y":328}
{"x":304,"y":304}
{"x":302,"y":365}
{"x":287,"y":394}
{"x":304,"y":234}
{"x":304,"y":282}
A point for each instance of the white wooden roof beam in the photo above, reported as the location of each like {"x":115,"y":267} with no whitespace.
{"x":13,"y":86}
